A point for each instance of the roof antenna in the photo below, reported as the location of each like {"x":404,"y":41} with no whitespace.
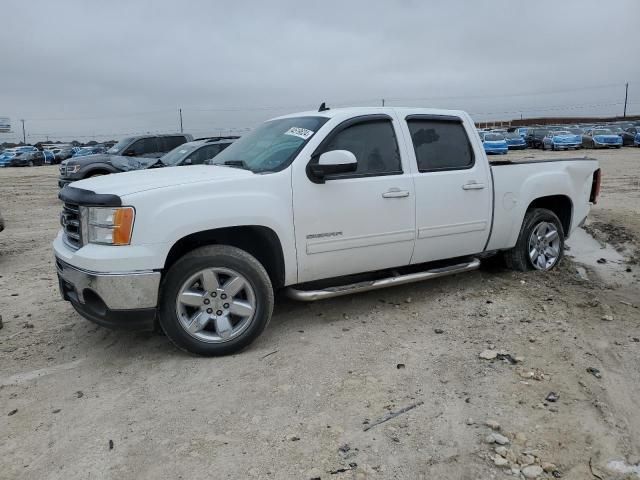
{"x":323,"y":107}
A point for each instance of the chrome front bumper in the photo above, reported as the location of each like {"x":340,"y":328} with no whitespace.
{"x":118,"y":291}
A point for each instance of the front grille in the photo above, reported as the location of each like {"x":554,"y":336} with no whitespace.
{"x":70,"y":221}
{"x":63,"y":170}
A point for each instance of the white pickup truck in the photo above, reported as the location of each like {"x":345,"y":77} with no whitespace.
{"x":318,"y":204}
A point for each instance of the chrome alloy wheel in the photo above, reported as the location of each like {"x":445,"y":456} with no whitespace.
{"x":216,"y":305}
{"x":544,"y":246}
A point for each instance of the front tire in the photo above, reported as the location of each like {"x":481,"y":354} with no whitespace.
{"x":540,"y":245}
{"x":215,"y":300}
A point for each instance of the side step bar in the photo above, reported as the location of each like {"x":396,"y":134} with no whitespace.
{"x":312,"y":295}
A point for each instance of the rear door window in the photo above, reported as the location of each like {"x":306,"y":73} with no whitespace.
{"x":440,"y":145}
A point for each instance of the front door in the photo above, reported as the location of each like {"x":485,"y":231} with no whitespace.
{"x":359,"y":221}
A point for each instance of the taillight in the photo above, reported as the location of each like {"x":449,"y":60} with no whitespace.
{"x":595,"y":186}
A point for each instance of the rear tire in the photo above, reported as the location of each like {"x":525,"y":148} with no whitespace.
{"x":229,"y":318}
{"x":529,"y":246}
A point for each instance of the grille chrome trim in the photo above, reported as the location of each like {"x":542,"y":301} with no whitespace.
{"x":70,"y":221}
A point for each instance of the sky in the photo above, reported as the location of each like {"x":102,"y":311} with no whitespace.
{"x":87,"y":69}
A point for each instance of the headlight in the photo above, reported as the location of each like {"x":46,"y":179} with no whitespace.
{"x":107,"y":226}
{"x":73,"y":168}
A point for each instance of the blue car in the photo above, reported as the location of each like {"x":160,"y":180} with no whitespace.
{"x":5,"y":158}
{"x":561,"y":140}
{"x":494,"y":143}
{"x":49,"y":156}
{"x":636,"y":141}
{"x":601,"y":138}
{"x":515,"y":141}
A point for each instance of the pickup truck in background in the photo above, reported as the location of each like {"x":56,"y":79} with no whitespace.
{"x":318,"y":204}
{"x":122,"y":153}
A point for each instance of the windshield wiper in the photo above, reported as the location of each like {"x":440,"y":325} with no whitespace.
{"x":236,"y":163}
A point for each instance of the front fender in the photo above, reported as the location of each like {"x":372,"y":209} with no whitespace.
{"x":166,"y":215}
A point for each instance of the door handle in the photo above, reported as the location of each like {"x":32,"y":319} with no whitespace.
{"x":395,"y":193}
{"x":473,"y":185}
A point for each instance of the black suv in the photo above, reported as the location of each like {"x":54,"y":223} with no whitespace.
{"x":535,"y":135}
{"x":141,"y":147}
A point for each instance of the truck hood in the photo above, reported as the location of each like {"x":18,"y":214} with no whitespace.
{"x":88,"y":159}
{"x":141,"y":180}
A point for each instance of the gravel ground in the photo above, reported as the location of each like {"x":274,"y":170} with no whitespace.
{"x":79,"y":401}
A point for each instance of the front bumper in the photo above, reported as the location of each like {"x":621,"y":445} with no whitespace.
{"x":559,"y":146}
{"x":606,"y":145}
{"x":115,"y":300}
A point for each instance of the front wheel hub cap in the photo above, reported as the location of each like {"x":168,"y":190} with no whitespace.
{"x":221,"y":290}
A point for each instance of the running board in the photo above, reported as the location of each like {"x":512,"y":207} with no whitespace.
{"x":312,"y":295}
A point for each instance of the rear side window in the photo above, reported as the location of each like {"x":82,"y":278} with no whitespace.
{"x":144,"y":145}
{"x":440,"y":145}
{"x":374,"y":145}
{"x":172,"y":142}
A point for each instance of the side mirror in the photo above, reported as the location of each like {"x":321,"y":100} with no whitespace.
{"x":129,"y":153}
{"x":331,"y":163}
{"x":187,"y":161}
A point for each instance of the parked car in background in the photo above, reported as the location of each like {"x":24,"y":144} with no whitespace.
{"x":84,"y":151}
{"x":1,"y":223}
{"x":130,"y":152}
{"x":561,"y":140}
{"x":197,"y":152}
{"x":494,"y":143}
{"x":522,"y":131}
{"x":601,"y":138}
{"x":26,"y":148}
{"x":515,"y":141}
{"x":5,"y":157}
{"x":49,"y":157}
{"x":27,"y":159}
{"x":629,"y":135}
{"x":534,"y":137}
{"x":636,"y":141}
{"x":63,"y":153}
{"x":615,"y":129}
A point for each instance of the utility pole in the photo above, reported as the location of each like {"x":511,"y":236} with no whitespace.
{"x":383,"y":102}
{"x":626,"y":94}
{"x":180,"y":111}
{"x":24,"y":136}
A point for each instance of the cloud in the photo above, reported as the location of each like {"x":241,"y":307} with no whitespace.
{"x":75,"y":68}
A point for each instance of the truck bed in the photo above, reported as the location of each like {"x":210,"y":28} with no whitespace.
{"x":517,"y":184}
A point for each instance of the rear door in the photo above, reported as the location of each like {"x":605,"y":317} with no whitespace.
{"x":453,"y":187}
{"x":359,"y":221}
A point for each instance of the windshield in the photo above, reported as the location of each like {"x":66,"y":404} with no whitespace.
{"x":602,"y":131}
{"x":513,"y":135}
{"x":493,"y":137}
{"x":272,"y":145}
{"x":179,"y":153}
{"x":562,"y":132}
{"x":118,"y":147}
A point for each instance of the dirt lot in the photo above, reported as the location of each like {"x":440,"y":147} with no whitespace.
{"x":79,"y":401}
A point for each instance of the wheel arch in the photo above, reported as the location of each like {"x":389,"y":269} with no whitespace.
{"x":260,"y":241}
{"x":561,"y":205}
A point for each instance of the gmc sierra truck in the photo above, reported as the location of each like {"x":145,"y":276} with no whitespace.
{"x":318,"y":204}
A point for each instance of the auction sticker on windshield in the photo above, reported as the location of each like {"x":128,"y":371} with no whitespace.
{"x":299,"y":132}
